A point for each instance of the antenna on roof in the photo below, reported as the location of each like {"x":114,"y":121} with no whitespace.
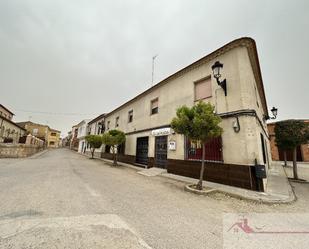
{"x":152,"y":75}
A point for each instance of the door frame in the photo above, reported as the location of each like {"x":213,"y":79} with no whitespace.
{"x":155,"y":152}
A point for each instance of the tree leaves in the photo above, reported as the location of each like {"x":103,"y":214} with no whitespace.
{"x":291,"y":133}
{"x":95,"y":141}
{"x":198,"y":122}
{"x":113,"y":137}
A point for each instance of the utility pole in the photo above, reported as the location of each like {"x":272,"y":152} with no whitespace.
{"x":152,"y":76}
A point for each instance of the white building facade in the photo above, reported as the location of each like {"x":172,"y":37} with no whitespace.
{"x":150,"y":142}
{"x":96,"y":127}
{"x":81,"y":134}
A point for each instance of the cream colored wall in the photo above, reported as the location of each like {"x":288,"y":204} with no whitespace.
{"x":249,"y":98}
{"x":178,"y":92}
{"x":54,"y":139}
{"x":8,"y":126}
{"x":238,"y":148}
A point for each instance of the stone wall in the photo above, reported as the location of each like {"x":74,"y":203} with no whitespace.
{"x":18,"y":150}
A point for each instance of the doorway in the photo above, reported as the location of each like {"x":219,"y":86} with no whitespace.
{"x":161,"y":152}
{"x":142,"y":150}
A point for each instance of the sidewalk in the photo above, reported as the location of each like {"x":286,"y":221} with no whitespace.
{"x":278,"y":189}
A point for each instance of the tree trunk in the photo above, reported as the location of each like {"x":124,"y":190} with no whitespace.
{"x":92,"y":152}
{"x":285,"y":158}
{"x":114,"y":157}
{"x":295,"y":174}
{"x":199,"y":185}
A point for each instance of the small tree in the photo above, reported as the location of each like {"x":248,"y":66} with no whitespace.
{"x":290,"y":134}
{"x":95,"y":142}
{"x":198,"y":123}
{"x":113,"y":138}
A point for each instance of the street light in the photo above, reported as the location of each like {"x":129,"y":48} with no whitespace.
{"x":274,"y":111}
{"x":216,"y":73}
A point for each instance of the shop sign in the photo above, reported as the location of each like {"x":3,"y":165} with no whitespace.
{"x":161,"y":132}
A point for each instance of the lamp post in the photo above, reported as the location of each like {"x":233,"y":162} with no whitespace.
{"x":216,"y":73}
{"x":274,"y":111}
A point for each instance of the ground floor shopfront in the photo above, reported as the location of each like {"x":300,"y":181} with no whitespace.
{"x":231,"y":158}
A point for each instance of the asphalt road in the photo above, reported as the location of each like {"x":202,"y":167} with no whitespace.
{"x":64,"y":200}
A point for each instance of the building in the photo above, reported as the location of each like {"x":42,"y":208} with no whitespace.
{"x":74,"y":140}
{"x":9,"y":131}
{"x":65,"y":142}
{"x":302,"y":151}
{"x":50,"y":136}
{"x":82,"y":129}
{"x":150,"y":142}
{"x":96,"y":127}
{"x":53,"y":138}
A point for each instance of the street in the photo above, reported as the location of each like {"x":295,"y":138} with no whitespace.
{"x":64,"y":200}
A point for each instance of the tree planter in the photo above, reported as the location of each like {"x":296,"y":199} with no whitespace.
{"x":205,"y":191}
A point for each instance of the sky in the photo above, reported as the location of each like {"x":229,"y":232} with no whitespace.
{"x":65,"y":61}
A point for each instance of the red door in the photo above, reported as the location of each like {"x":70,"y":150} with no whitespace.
{"x":213,"y":150}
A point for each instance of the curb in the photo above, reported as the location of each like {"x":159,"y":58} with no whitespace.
{"x":260,"y":199}
{"x":189,"y":188}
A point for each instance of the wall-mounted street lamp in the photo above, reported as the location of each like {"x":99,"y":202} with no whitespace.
{"x":274,"y":111}
{"x":216,"y":72}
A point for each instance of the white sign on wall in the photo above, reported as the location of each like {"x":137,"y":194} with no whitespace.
{"x":161,"y":132}
{"x":172,"y":145}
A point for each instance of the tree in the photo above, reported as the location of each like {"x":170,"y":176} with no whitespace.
{"x":289,"y":134}
{"x":114,"y":138}
{"x":95,"y":142}
{"x":198,"y":123}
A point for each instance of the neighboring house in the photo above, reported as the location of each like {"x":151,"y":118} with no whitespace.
{"x":74,"y":140}
{"x":96,"y":127}
{"x":81,"y":134}
{"x":38,"y":130}
{"x":50,"y":136}
{"x":53,"y":138}
{"x":302,"y":152}
{"x":9,"y":131}
{"x":66,"y":140}
{"x":150,"y":142}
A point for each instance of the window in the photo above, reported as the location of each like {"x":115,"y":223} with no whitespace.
{"x":53,"y":134}
{"x":35,"y":131}
{"x":108,"y":123}
{"x":154,"y":106}
{"x":213,"y":150}
{"x":202,"y":89}
{"x":130,"y":116}
{"x":117,"y":122}
{"x":51,"y":143}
